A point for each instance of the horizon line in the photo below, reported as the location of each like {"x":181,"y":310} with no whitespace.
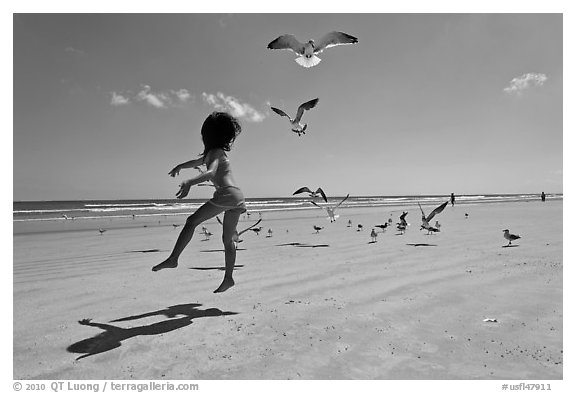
{"x":290,"y":196}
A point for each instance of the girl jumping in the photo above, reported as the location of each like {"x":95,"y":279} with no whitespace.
{"x":218,"y":134}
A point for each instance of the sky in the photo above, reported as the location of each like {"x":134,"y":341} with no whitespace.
{"x":105,"y":105}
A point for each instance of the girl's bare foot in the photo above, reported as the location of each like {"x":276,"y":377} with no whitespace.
{"x":167,"y":264}
{"x":227,"y":283}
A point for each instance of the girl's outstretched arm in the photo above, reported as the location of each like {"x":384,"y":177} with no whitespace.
{"x":201,"y":178}
{"x":188,"y":164}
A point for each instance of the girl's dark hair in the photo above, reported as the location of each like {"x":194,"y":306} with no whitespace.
{"x":219,"y":130}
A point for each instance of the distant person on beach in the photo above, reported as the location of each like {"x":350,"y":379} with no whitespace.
{"x":543,"y":196}
{"x":452,"y":199}
{"x":218,"y":134}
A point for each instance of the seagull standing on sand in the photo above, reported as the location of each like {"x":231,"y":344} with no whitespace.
{"x":206,"y":233}
{"x":373,"y":235}
{"x":317,"y":228}
{"x":331,"y":210}
{"x":297,"y":127}
{"x":360,"y":228}
{"x":508,"y":236}
{"x":101,"y":231}
{"x":426,"y":220}
{"x":269,"y":233}
{"x":312,"y":194}
{"x":307,"y":51}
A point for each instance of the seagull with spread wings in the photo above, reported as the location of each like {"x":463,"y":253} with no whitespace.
{"x":313,"y":194}
{"x":331,"y":210}
{"x":297,"y":127}
{"x":307,"y":51}
{"x":426,"y":219}
{"x":402,"y":225}
{"x":236,"y":236}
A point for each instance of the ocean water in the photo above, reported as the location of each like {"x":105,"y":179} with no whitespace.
{"x":85,"y":210}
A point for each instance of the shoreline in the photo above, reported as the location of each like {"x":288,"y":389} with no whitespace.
{"x":23,"y":227}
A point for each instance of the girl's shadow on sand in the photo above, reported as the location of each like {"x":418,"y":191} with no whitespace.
{"x":112,"y":336}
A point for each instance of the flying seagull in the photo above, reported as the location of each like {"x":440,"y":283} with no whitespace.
{"x":313,"y":194}
{"x":426,"y":219}
{"x":331,"y":210}
{"x":508,"y":236}
{"x":236,"y":236}
{"x":256,"y":230}
{"x":298,"y":127}
{"x":307,"y":51}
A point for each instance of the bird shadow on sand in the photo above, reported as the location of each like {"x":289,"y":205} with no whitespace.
{"x":302,"y":245}
{"x":236,"y":267}
{"x":510,"y":245}
{"x":238,"y":249}
{"x":146,"y":251}
{"x":180,"y":315}
{"x":421,"y":245}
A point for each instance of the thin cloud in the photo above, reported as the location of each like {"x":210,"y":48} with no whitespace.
{"x":77,"y":51}
{"x":183,"y":95}
{"x":160,"y":99}
{"x":151,"y":98}
{"x":222,"y":102}
{"x":119,"y":99}
{"x":526,"y":81}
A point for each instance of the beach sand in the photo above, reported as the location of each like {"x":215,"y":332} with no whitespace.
{"x":331,"y":305}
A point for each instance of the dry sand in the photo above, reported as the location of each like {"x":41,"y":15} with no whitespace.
{"x":305,"y":306}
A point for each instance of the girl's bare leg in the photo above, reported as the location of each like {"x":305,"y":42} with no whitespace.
{"x":204,"y":212}
{"x":230,"y":222}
